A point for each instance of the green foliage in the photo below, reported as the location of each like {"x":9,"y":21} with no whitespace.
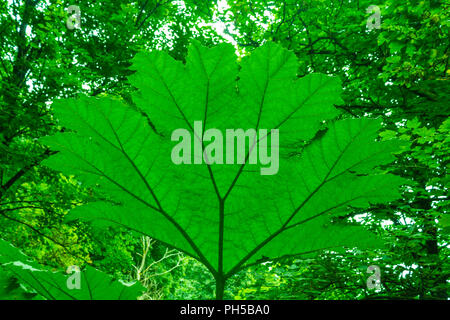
{"x":116,"y":253}
{"x":35,"y":220}
{"x":398,"y":68}
{"x":41,"y":60}
{"x":398,"y":73}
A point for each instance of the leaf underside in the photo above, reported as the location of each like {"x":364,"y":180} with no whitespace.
{"x":227,"y":216}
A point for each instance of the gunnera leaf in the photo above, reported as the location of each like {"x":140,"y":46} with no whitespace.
{"x":213,"y":203}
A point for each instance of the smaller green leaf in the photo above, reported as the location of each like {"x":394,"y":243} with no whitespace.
{"x":37,"y":279}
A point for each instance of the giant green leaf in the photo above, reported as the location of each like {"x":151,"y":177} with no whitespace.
{"x":227,"y":216}
{"x":15,"y":267}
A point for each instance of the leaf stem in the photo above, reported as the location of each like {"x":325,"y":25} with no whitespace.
{"x":221,"y":231}
{"x":220,"y":287}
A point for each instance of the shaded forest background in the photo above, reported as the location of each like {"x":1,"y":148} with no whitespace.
{"x":398,"y":72}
